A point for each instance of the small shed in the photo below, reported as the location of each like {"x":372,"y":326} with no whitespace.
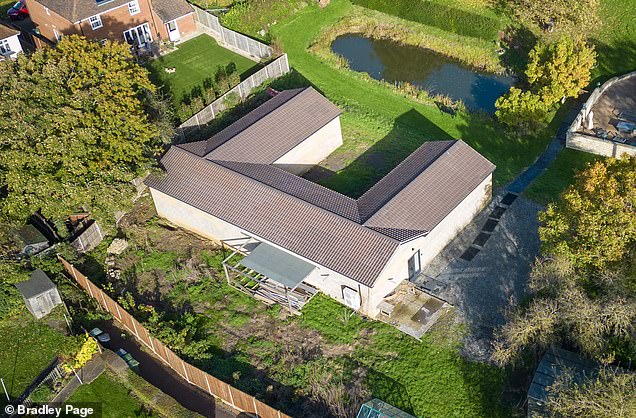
{"x":376,"y":408}
{"x":553,"y":364}
{"x":33,"y":241}
{"x":39,"y":293}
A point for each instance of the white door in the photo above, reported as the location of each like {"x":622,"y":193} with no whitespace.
{"x":173,"y":31}
{"x":351,"y":297}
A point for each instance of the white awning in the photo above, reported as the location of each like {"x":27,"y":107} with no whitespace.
{"x":278,"y":265}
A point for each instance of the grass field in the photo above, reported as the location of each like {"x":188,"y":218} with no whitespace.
{"x":380,"y":126}
{"x":115,"y":400}
{"x":27,"y":346}
{"x":549,"y":185}
{"x":615,"y":39}
{"x":195,"y":61}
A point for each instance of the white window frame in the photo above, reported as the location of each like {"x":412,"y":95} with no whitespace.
{"x":58,"y":35}
{"x":96,"y":22}
{"x":4,"y":46}
{"x":133,"y":7}
{"x":146,"y":33}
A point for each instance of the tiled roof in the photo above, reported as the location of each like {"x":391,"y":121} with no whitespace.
{"x":352,"y":237}
{"x":76,"y":10}
{"x":298,"y":226}
{"x":432,"y":195}
{"x":6,"y":31}
{"x":168,"y":10}
{"x":265,"y":135}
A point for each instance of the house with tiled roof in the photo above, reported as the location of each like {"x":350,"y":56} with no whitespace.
{"x":289,"y":237}
{"x":140,"y":23}
{"x":10,"y":45}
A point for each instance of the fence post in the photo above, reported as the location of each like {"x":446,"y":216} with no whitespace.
{"x":196,"y":117}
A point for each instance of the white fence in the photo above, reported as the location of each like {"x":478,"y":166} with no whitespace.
{"x":272,"y":70}
{"x":230,"y":38}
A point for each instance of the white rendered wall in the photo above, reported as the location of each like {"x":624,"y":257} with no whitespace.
{"x":429,"y":246}
{"x":14,"y":44}
{"x":313,"y":149}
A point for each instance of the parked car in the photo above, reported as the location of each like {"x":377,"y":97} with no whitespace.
{"x":18,"y":11}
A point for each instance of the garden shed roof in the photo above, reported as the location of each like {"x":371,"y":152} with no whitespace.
{"x":36,"y":285}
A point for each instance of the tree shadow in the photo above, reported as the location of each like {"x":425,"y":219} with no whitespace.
{"x":612,"y":60}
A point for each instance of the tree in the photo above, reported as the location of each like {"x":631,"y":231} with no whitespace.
{"x":563,"y":310}
{"x":522,"y":110}
{"x":610,"y":394}
{"x":572,"y":16}
{"x":74,"y":130}
{"x":594,"y":223}
{"x":583,"y":293}
{"x":561,"y":69}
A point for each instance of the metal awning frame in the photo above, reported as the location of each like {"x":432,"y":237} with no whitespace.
{"x":263,"y":288}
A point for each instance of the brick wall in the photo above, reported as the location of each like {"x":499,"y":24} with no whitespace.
{"x":47,"y":21}
{"x":118,"y":20}
{"x":114,"y":23}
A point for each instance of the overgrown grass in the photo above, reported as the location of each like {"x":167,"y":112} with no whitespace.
{"x":254,"y":18}
{"x":479,"y":23}
{"x":27,"y":346}
{"x":380,"y":126}
{"x":476,"y":53}
{"x":549,"y":186}
{"x":115,"y":399}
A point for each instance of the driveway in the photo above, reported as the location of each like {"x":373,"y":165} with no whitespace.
{"x":163,"y":377}
{"x":482,"y":287}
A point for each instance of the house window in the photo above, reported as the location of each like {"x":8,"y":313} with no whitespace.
{"x":96,"y":22}
{"x":46,"y":9}
{"x":4,"y":46}
{"x":133,"y":7}
{"x":58,"y":36}
{"x":414,"y":265}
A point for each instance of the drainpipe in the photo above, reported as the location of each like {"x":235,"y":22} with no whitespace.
{"x":152,"y":16}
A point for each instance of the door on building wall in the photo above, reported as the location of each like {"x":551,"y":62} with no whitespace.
{"x":139,"y":36}
{"x":351,"y":297}
{"x":414,"y":265}
{"x":173,"y":31}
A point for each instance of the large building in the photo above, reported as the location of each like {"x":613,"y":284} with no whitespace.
{"x":140,"y":23}
{"x":242,"y":187}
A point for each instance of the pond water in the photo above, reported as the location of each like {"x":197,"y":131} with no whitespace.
{"x":393,"y":62}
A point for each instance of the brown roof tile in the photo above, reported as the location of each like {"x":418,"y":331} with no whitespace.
{"x":263,"y":138}
{"x":302,"y":228}
{"x":6,"y":31}
{"x":432,"y":195}
{"x":353,"y":237}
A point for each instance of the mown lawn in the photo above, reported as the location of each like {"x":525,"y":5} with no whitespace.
{"x":195,"y":61}
{"x":380,"y":126}
{"x":615,"y":39}
{"x":27,"y":346}
{"x":115,"y":400}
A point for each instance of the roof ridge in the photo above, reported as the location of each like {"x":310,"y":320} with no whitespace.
{"x":207,"y":161}
{"x":394,"y":169}
{"x":245,"y":117}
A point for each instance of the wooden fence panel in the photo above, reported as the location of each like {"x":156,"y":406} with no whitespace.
{"x":210,"y":384}
{"x":242,"y":400}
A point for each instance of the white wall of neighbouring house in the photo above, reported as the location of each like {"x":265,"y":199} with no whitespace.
{"x":313,"y":149}
{"x":430,"y":245}
{"x":14,"y":44}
